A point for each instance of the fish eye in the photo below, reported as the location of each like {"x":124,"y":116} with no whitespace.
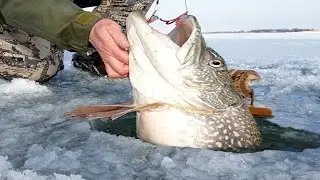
{"x":216,"y":63}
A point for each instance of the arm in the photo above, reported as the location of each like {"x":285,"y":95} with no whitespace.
{"x":58,"y":21}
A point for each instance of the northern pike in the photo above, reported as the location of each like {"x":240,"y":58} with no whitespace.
{"x":182,"y":90}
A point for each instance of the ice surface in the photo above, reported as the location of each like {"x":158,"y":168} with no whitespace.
{"x":313,"y":35}
{"x":36,"y":142}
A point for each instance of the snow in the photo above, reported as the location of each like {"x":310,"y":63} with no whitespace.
{"x":37,"y":142}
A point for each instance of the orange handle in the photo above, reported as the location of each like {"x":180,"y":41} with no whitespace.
{"x":260,"y":111}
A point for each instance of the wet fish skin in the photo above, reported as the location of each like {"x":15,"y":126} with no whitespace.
{"x":187,"y":77}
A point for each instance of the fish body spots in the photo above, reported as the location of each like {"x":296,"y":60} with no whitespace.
{"x":236,"y":134}
{"x":215,"y":134}
{"x":220,"y":126}
{"x":225,"y":132}
{"x":219,"y":144}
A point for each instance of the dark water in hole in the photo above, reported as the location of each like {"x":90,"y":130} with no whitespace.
{"x":274,"y":136}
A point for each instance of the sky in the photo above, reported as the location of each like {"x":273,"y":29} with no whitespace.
{"x":221,"y":15}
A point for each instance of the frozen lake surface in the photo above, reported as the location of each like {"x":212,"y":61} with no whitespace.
{"x":36,"y":142}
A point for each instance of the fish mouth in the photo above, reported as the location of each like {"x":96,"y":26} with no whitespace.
{"x":185,"y":42}
{"x":185,"y":26}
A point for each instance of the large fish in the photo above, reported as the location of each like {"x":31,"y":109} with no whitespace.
{"x":183,"y":93}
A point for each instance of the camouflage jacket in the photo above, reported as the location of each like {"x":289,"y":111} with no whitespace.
{"x":58,"y":21}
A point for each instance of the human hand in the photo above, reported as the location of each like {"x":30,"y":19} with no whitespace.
{"x":112,"y":45}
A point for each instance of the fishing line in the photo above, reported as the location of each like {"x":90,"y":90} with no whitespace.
{"x":155,"y":17}
{"x":186,"y":5}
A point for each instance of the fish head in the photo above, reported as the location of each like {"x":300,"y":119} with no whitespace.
{"x":181,"y":62}
{"x":202,"y":107}
{"x":168,"y":53}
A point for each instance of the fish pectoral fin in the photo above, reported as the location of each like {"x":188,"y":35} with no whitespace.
{"x":105,"y":112}
{"x":108,"y":112}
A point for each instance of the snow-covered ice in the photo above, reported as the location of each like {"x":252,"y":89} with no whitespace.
{"x":36,"y":142}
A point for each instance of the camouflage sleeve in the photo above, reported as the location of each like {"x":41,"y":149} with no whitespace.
{"x":58,"y":21}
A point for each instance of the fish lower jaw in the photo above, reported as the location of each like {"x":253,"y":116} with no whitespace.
{"x":172,"y":127}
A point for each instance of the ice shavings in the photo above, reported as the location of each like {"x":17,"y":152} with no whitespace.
{"x":23,"y":87}
{"x":7,"y":172}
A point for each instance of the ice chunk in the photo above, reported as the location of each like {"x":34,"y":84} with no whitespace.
{"x":23,"y":87}
{"x":167,"y":163}
{"x":7,"y":172}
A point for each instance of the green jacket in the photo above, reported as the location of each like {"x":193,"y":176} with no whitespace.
{"x":58,"y":21}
